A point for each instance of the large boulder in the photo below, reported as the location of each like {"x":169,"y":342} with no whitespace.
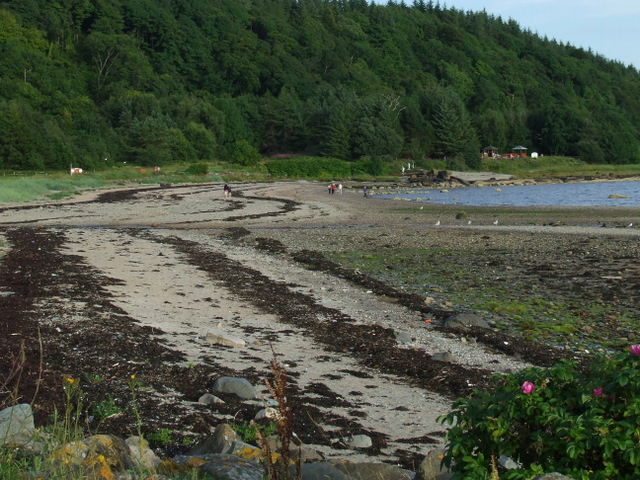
{"x":221,"y":441}
{"x":17,"y":426}
{"x":141,"y":454}
{"x":369,"y":470}
{"x":223,"y":466}
{"x":431,"y":467}
{"x":99,"y":457}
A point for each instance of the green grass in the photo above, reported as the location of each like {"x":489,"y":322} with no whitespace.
{"x":161,"y":437}
{"x":28,"y":187}
{"x":247,"y":431}
{"x":555,"y":167}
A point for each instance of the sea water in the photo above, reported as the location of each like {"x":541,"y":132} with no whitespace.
{"x":591,"y":194}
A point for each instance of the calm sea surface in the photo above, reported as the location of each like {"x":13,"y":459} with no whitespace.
{"x":564,"y":194}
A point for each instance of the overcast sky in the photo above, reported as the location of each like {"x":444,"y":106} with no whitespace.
{"x":610,"y":28}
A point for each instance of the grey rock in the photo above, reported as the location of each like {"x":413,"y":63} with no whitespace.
{"x":359,"y":441}
{"x":141,"y":454}
{"x":321,"y":471}
{"x":508,"y":462}
{"x":371,"y":470}
{"x":444,"y":357}
{"x":306,"y":453}
{"x":465,"y":320}
{"x":240,"y":386}
{"x":246,"y":451}
{"x":221,"y":441}
{"x":208,"y":399}
{"x":218,"y":337}
{"x":97,"y":451}
{"x":403,"y":337}
{"x":268,"y":412}
{"x":16,"y":425}
{"x":225,"y":467}
{"x":552,"y":476}
{"x":431,"y":467}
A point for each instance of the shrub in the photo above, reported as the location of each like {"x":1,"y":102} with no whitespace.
{"x":582,"y":422}
{"x":309,"y":167}
{"x":243,"y":153}
{"x":197,"y":169}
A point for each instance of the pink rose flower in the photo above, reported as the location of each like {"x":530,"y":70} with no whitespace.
{"x":635,"y":350}
{"x":597,"y":392}
{"x":528,"y":387}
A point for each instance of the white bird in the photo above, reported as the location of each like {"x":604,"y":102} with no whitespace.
{"x":469,"y":222}
{"x":630,"y":225}
{"x":495,"y":222}
{"x":438,"y":223}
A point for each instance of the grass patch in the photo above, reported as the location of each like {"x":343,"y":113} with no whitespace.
{"x":248,"y":431}
{"x":161,"y":437}
{"x":556,"y":167}
{"x":27,"y":189}
{"x":106,"y":408}
{"x":514,"y":306}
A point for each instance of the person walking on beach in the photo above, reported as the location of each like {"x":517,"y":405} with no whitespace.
{"x":365,"y":192}
{"x":340,"y":188}
{"x":333,"y":188}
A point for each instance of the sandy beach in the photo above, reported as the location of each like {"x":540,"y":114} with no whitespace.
{"x":130,"y":281}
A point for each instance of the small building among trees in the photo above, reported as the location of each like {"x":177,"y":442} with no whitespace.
{"x":520,"y":151}
{"x":490,"y":152}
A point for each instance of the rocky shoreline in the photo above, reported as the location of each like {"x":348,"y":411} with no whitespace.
{"x":452,"y":179}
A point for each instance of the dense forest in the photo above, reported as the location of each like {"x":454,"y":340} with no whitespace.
{"x":92,"y":83}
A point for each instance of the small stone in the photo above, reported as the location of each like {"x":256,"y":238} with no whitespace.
{"x":359,"y":441}
{"x":444,"y":357}
{"x":208,"y":399}
{"x":240,"y":386}
{"x":218,"y":337}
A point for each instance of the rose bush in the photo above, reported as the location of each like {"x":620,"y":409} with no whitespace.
{"x":582,"y":421}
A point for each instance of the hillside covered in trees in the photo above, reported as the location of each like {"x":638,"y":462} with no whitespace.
{"x":94,"y":82}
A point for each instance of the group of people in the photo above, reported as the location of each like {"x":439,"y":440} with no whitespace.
{"x":333,"y":188}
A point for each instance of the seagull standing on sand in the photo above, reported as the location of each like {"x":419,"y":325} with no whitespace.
{"x":469,"y":222}
{"x":495,"y":222}
{"x":630,"y":225}
{"x":438,"y":223}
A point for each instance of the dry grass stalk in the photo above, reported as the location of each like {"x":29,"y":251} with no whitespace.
{"x":278,"y":466}
{"x":11,"y":384}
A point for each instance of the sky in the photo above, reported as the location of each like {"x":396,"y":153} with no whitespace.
{"x":610,"y":28}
